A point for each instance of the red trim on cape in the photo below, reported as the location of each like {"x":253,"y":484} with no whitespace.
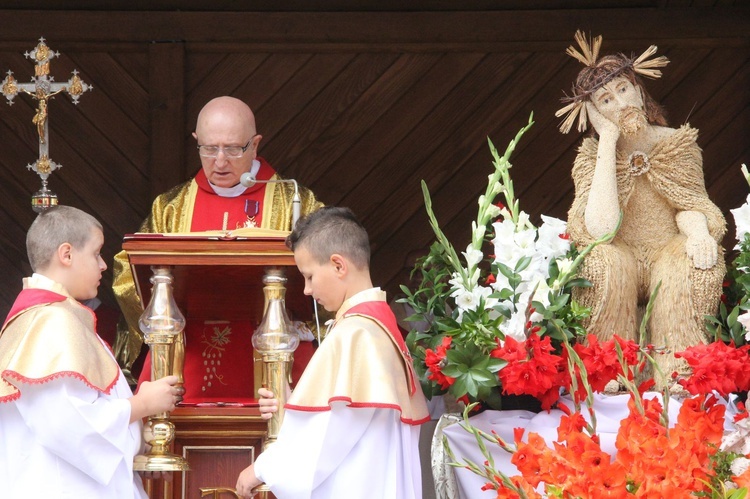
{"x":380,"y":312}
{"x":31,"y":297}
{"x":40,"y":381}
{"x":356,"y":405}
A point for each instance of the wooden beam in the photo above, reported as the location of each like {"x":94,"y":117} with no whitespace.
{"x":167,"y":110}
{"x":379,"y":29}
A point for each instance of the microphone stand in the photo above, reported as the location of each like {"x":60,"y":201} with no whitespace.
{"x":248,"y":180}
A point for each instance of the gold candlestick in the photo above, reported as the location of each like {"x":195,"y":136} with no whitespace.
{"x":161,"y":324}
{"x":275,"y":340}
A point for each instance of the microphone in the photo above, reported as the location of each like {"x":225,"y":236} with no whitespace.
{"x":248,"y":180}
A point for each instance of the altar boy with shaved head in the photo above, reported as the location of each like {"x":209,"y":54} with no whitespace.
{"x":351,"y":426}
{"x":69,"y":424}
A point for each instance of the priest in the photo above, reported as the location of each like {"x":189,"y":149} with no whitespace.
{"x":214,"y":199}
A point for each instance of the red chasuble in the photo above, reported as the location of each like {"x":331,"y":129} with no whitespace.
{"x":210,"y":208}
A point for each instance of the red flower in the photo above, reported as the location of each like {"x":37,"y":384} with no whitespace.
{"x":742,"y":414}
{"x":601,"y":362}
{"x":717,"y":366}
{"x":532,"y":369}
{"x":434,"y":360}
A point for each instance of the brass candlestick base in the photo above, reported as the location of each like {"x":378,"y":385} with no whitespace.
{"x":158,"y":432}
{"x":161,"y":323}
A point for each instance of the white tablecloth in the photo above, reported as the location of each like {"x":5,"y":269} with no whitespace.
{"x":609,"y":411}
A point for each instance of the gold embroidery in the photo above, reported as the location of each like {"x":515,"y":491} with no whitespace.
{"x":213,"y":352}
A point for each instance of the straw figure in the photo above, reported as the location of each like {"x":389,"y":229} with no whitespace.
{"x":635,"y":165}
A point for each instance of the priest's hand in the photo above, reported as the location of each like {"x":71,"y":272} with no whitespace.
{"x":247,"y":481}
{"x":267,"y":403}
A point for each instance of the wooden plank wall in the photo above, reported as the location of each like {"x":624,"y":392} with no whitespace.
{"x":359,"y":106}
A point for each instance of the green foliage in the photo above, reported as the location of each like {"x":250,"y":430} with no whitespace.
{"x":724,"y":325}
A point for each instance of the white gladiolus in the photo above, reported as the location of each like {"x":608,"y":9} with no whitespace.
{"x":493,"y":211}
{"x":542,"y":290}
{"x":503,"y":230}
{"x":501,"y":282}
{"x":457,"y":285}
{"x":466,"y":300}
{"x":514,"y":327}
{"x":474,"y":277}
{"x":564,"y":265}
{"x":742,"y":219}
{"x":523,"y":220}
{"x":497,"y":187}
{"x":477,"y":233}
{"x":473,"y":256}
{"x":550,"y":243}
{"x":526,"y":240}
{"x":508,"y":254}
{"x":505,"y":214}
{"x":744,"y":319}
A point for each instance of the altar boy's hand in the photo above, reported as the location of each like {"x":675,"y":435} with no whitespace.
{"x":247,"y":481}
{"x":268,"y":403}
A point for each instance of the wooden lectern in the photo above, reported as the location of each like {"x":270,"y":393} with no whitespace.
{"x":214,"y":278}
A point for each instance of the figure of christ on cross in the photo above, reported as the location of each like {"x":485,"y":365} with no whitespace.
{"x":42,"y":88}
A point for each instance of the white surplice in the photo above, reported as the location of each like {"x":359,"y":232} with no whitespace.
{"x":64,"y":440}
{"x":344,"y":452}
{"x":351,"y":429}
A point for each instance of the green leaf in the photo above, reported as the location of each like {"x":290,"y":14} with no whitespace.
{"x":522,"y":264}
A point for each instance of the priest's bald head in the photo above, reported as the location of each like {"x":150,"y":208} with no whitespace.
{"x":227,"y":140}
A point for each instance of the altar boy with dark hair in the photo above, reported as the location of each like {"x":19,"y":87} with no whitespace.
{"x":69,"y":424}
{"x":351,"y":426}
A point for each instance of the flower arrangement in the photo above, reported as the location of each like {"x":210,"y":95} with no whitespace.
{"x":690,"y":456}
{"x":511,"y":288}
{"x":732,"y":323}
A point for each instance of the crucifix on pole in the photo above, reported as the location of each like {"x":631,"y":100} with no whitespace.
{"x":42,"y":88}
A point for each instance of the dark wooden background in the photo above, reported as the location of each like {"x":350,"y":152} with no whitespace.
{"x":357,"y":100}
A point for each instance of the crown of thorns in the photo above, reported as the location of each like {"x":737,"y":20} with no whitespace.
{"x":589,"y":55}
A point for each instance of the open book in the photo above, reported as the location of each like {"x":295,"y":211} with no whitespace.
{"x":241,"y":233}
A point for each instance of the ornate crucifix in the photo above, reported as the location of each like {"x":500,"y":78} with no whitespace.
{"x":42,"y":88}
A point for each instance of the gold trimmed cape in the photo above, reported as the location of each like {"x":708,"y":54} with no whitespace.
{"x":361,"y":363}
{"x":48,"y":340}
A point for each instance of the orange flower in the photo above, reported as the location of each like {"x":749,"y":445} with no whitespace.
{"x":519,"y":483}
{"x":742,"y":480}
